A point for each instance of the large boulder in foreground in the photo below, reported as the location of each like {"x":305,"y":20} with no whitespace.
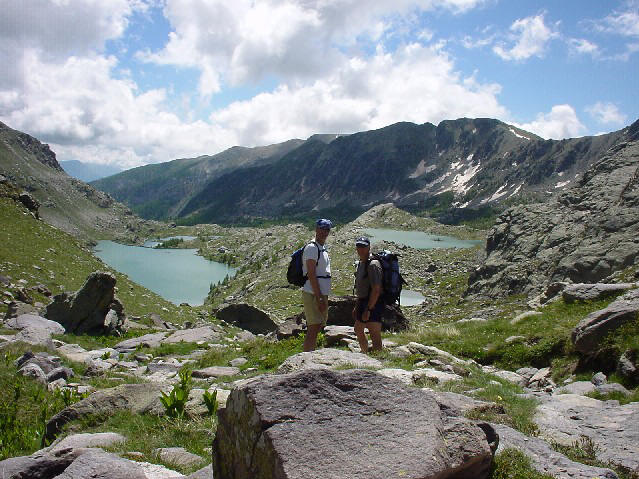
{"x":92,"y":309}
{"x":583,"y":236}
{"x":344,"y":424}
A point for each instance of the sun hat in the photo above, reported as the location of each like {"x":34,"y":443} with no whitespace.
{"x":362,"y":241}
{"x":324,"y":224}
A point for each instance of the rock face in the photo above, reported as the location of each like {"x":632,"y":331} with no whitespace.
{"x":591,"y":292}
{"x":247,"y":317}
{"x":88,"y":310}
{"x":590,"y":330}
{"x":614,"y":429}
{"x":587,"y":233}
{"x":349,"y":424}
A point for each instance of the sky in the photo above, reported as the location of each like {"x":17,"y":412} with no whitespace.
{"x":133,"y":82}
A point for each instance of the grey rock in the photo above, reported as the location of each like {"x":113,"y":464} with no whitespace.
{"x":152,"y":340}
{"x":86,"y":310}
{"x":627,"y":365}
{"x":527,"y":373}
{"x":97,"y":464}
{"x":195,"y":335}
{"x":590,"y":330}
{"x":610,"y":388}
{"x":18,"y":308}
{"x":33,"y":371}
{"x":204,"y":473}
{"x":60,"y":373}
{"x":522,"y":316}
{"x":582,"y":236}
{"x":334,"y":335}
{"x":40,"y":465}
{"x":29,"y":202}
{"x":216,"y":372}
{"x":545,"y":459}
{"x":32,"y":321}
{"x":177,"y":456}
{"x":433,"y":351}
{"x":614,"y":429}
{"x":291,"y":327}
{"x":137,"y":398}
{"x":599,"y":378}
{"x":45,"y":361}
{"x":591,"y":292}
{"x":278,"y":426}
{"x":581,"y":388}
{"x":328,"y":358}
{"x":83,"y":440}
{"x":237,"y":362}
{"x":35,"y":337}
{"x":247,"y":317}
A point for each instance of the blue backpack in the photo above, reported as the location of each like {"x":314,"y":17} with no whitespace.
{"x":392,"y":280}
{"x":295,"y":274}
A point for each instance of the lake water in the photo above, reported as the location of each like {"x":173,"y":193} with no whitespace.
{"x":410,"y":298}
{"x":178,"y":275}
{"x":419,"y":239}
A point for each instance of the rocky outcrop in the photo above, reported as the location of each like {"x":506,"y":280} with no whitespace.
{"x":593,"y":292}
{"x":583,"y":236}
{"x":247,"y":317}
{"x":591,"y":330}
{"x":308,"y":425}
{"x":612,"y":428}
{"x":92,"y":309}
{"x":328,"y":358}
{"x":137,"y":398}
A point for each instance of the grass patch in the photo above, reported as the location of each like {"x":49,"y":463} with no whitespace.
{"x":145,"y":432}
{"x":585,"y":451}
{"x":513,"y":464}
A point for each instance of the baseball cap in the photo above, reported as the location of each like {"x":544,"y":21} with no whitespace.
{"x":324,"y":224}
{"x":362,"y":241}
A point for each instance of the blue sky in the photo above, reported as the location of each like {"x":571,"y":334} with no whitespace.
{"x":132,"y":82}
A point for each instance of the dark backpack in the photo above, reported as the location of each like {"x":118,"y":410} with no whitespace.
{"x":392,"y":280}
{"x":295,"y":274}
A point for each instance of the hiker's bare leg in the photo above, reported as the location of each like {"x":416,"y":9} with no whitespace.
{"x":361,"y":336}
{"x":310,"y":342}
{"x":375,"y":329}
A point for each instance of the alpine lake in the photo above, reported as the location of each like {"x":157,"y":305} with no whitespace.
{"x":182,"y":276}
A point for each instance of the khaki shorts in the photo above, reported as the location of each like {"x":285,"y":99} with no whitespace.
{"x":311,"y":309}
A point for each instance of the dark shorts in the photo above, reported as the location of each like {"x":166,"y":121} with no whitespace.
{"x":376,"y":313}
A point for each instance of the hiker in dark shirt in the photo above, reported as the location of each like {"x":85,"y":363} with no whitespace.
{"x":369,"y":307}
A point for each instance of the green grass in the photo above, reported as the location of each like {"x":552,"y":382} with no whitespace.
{"x":40,"y":254}
{"x":145,"y":432}
{"x":513,"y":464}
{"x":585,"y":451}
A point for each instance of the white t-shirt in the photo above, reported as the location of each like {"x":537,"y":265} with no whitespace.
{"x":323,"y":267}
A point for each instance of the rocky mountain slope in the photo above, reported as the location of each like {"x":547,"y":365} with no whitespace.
{"x":586,"y":234}
{"x":160,"y":191}
{"x":467,"y":163}
{"x":64,"y":202}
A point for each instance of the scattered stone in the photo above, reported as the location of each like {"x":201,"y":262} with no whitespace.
{"x":334,"y":335}
{"x":277,"y":426}
{"x":193,"y":335}
{"x":237,"y":362}
{"x":588,"y":333}
{"x":152,"y":340}
{"x":514,"y":339}
{"x":598,"y":379}
{"x":627,"y":365}
{"x":177,"y":456}
{"x":82,"y":440}
{"x":32,"y":321}
{"x":291,"y":327}
{"x":216,"y":372}
{"x":593,"y":292}
{"x":545,"y":459}
{"x":328,"y":358}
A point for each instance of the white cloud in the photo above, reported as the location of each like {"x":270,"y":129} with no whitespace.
{"x":530,"y":35}
{"x":561,"y":122}
{"x":606,"y":113}
{"x":415,"y":84}
{"x":246,"y":41}
{"x":583,"y":47}
{"x":624,"y":23}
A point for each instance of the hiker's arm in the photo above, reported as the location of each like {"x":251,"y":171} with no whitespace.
{"x":312,"y":278}
{"x":376,"y":290}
